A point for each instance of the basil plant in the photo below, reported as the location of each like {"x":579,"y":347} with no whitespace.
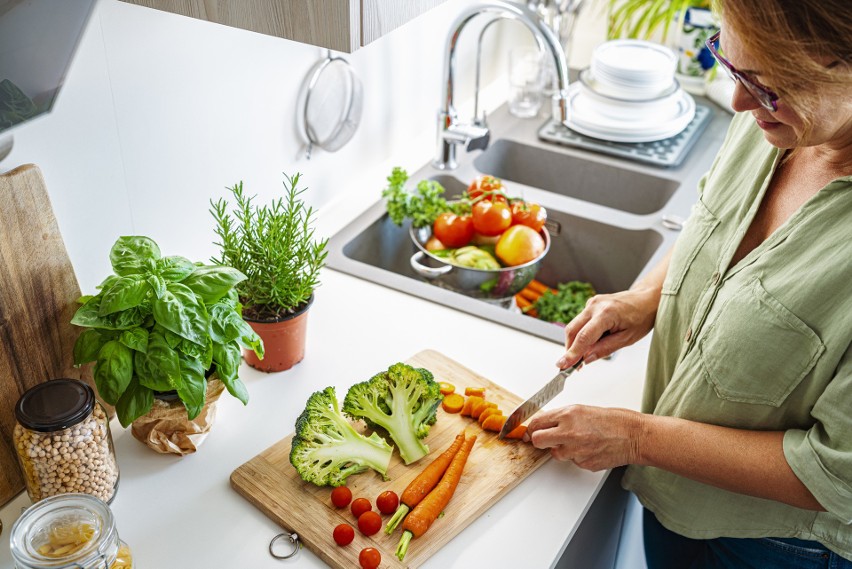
{"x":162,"y":324}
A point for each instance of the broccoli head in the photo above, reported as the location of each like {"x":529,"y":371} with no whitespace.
{"x":326,"y":447}
{"x":402,"y":400}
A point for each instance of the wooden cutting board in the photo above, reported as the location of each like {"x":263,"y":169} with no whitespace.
{"x":271,"y":483}
{"x":38,"y":294}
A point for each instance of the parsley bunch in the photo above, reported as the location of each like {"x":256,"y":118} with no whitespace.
{"x":423,"y":206}
{"x":566,"y":303}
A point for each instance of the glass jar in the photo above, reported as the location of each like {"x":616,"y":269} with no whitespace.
{"x":68,"y":531}
{"x":63,"y":441}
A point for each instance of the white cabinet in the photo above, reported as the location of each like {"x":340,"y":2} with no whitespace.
{"x":341,"y":25}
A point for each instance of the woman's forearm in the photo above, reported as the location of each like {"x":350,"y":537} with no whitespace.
{"x":742,"y":461}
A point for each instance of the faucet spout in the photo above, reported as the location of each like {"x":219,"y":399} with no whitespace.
{"x":547,"y":40}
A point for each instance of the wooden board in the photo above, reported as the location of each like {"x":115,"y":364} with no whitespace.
{"x":38,"y":294}
{"x":495,"y":467}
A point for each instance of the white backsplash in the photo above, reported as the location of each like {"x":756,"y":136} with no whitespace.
{"x":160,"y":113}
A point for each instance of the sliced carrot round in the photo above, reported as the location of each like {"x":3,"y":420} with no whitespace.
{"x":517,"y":433}
{"x":452,"y":403}
{"x":480,"y":391}
{"x":446,"y":388}
{"x":494,"y":422}
{"x":477,"y":409}
{"x":488,"y":411}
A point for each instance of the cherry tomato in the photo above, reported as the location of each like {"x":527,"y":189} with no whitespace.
{"x":369,"y":558}
{"x":491,"y":218}
{"x":529,"y":214}
{"x":360,"y":505}
{"x":518,"y":245}
{"x":387,"y":502}
{"x":433,"y":244}
{"x":344,"y":534}
{"x":453,"y":230}
{"x":369,"y":523}
{"x":488,"y":186}
{"x":341,"y":496}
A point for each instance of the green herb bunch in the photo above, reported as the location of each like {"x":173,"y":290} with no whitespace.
{"x":567,"y":302}
{"x":274,"y":246}
{"x":162,"y":324}
{"x":423,"y":206}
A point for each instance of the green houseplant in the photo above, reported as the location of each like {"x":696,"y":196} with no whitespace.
{"x":162,"y":324}
{"x":275,"y":247}
{"x":642,"y":18}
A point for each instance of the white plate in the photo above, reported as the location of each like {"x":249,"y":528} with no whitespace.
{"x":585,"y":119}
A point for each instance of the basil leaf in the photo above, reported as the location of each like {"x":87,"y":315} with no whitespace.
{"x":158,"y":368}
{"x":212,"y":282}
{"x":133,"y":255}
{"x":193,"y":390}
{"x":113,"y":371}
{"x":227,"y":360}
{"x":174,"y":268}
{"x":87,"y":346}
{"x":130,"y":318}
{"x":127,"y":292}
{"x":135,"y":339}
{"x":133,"y":403}
{"x":203,"y":354}
{"x":158,"y":285}
{"x":108,"y":282}
{"x":180,"y":311}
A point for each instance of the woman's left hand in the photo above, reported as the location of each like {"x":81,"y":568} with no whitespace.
{"x":594,"y":438}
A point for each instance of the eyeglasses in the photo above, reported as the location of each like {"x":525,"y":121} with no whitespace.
{"x":765,"y":96}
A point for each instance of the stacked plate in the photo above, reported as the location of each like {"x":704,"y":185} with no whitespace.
{"x":629,"y":94}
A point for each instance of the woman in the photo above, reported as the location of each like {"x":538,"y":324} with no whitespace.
{"x":743,"y":455}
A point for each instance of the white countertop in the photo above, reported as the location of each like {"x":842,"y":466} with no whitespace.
{"x":182,"y":512}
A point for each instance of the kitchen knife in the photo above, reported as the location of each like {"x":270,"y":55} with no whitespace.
{"x":529,"y":407}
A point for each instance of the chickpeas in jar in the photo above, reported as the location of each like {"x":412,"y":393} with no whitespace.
{"x":68,"y":530}
{"x":63,"y":442}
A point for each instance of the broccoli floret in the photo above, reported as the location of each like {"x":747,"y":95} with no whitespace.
{"x":326,"y":447}
{"x":403,"y":401}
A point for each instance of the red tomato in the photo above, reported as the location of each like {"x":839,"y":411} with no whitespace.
{"x":529,"y":214}
{"x":453,"y":230}
{"x":369,"y":558}
{"x":344,"y":534}
{"x":491,"y":218}
{"x":485,"y":185}
{"x":369,"y":523}
{"x":388,"y":501}
{"x":360,"y":505}
{"x":341,"y":496}
{"x":518,"y":245}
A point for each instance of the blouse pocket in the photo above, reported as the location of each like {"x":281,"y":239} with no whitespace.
{"x":756,"y":350}
{"x":699,"y":226}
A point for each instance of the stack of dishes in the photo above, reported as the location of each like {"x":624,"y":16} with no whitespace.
{"x":629,"y":94}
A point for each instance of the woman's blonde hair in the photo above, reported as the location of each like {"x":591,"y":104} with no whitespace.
{"x":799,"y":46}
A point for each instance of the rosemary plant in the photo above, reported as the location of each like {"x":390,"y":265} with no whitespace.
{"x":274,"y":246}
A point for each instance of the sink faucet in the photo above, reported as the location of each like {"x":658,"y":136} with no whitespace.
{"x":452,"y":133}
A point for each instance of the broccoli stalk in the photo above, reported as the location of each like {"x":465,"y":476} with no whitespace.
{"x":326,"y":447}
{"x":403,"y":401}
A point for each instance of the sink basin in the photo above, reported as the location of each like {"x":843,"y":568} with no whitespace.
{"x":609,"y":256}
{"x":590,"y":181}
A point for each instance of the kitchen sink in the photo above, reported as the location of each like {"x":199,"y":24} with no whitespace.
{"x":575,"y":177}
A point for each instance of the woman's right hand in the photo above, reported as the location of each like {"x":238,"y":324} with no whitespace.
{"x":609,"y":322}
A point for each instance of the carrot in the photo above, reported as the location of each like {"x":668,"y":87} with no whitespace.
{"x":525,"y":305}
{"x":475,"y":391}
{"x":469,"y":404}
{"x":488,"y":411}
{"x":494,"y":423}
{"x":530,"y":294}
{"x":452,"y":403}
{"x":446,"y":388}
{"x":428,"y":478}
{"x":477,"y":410}
{"x":427,"y":511}
{"x":539,"y":287}
{"x":517,"y":432}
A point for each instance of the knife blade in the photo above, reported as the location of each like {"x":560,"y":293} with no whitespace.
{"x":529,"y":407}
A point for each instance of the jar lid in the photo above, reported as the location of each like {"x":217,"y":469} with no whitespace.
{"x":55,"y":405}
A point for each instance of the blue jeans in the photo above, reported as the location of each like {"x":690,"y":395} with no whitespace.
{"x":665,"y":549}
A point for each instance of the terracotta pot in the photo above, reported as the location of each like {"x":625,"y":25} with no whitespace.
{"x":283,"y":341}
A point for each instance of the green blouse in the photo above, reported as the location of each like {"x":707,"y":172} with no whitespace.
{"x":762,"y":345}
